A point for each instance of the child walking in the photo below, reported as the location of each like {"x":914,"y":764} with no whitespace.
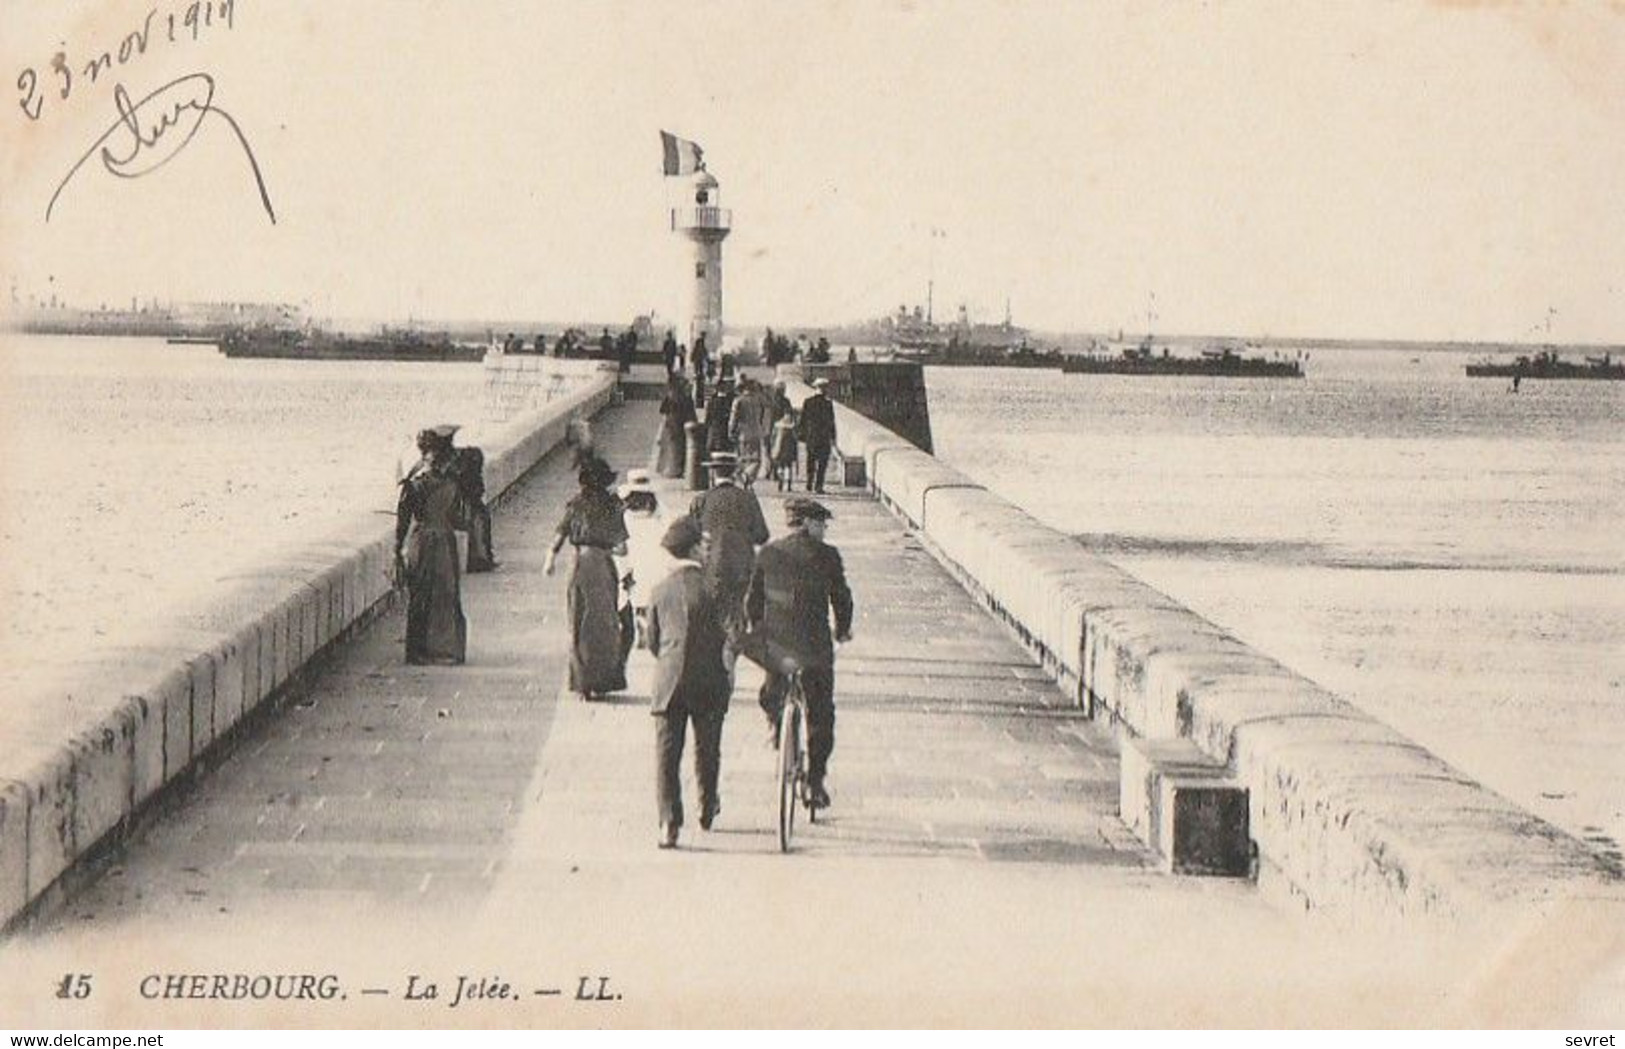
{"x":785,"y":450}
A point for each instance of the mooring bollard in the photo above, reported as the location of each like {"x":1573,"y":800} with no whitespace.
{"x":693,"y":471}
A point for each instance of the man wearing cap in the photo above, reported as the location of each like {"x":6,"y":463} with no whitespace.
{"x":798,"y":581}
{"x":817,"y":431}
{"x":732,"y":517}
{"x":691,"y":682}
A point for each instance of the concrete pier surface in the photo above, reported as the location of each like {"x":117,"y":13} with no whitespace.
{"x":389,"y":828}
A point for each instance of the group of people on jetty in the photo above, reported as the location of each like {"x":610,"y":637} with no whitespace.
{"x":697,"y":588}
{"x":573,"y":343}
{"x":760,"y":427}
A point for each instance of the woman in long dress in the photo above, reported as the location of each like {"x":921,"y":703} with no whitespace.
{"x":470,"y":471}
{"x":427,"y":520}
{"x":594,"y":523}
{"x":676,"y":411}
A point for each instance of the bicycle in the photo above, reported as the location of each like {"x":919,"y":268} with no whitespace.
{"x":791,"y":769}
{"x":792,"y":765}
{"x":793,"y":762}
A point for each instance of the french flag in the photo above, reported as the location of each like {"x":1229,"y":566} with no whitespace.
{"x":682,"y":157}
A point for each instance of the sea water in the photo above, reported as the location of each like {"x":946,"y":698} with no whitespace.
{"x":136,"y":474}
{"x":1442,"y":552}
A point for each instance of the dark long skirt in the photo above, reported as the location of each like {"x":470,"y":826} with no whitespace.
{"x":669,"y":461}
{"x":595,"y":624}
{"x":481,"y":556}
{"x":436,"y":631}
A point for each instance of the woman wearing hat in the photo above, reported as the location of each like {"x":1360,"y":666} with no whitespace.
{"x":676,"y":412}
{"x":594,"y":523}
{"x":427,"y":518}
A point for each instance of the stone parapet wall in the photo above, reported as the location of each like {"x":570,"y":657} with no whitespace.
{"x":1347,"y":815}
{"x":130,"y":720}
{"x":518,"y":384}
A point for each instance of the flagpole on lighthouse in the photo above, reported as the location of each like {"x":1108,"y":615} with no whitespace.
{"x":704,"y":223}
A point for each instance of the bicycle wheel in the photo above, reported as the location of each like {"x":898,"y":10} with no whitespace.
{"x":789,"y":771}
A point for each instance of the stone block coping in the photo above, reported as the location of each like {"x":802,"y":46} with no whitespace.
{"x":87,"y":750}
{"x":1348,"y":816}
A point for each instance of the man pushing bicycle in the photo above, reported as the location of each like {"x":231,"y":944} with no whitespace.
{"x":797,"y":582}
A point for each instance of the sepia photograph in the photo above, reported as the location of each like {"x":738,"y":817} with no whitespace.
{"x":827,"y":514}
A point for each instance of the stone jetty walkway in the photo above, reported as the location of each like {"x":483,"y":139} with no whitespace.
{"x":399,"y":826}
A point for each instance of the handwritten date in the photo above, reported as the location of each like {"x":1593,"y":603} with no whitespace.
{"x":189,"y":21}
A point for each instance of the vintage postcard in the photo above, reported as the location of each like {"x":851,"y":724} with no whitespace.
{"x":811,"y":515}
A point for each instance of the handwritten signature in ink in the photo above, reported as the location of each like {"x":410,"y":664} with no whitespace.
{"x":150,"y":133}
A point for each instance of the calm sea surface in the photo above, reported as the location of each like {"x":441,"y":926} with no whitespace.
{"x":1443,"y":553}
{"x":137,"y":473}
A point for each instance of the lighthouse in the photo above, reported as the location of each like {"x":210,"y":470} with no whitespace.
{"x":705,"y":224}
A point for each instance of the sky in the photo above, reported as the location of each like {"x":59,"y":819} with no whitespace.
{"x":1429,"y":171}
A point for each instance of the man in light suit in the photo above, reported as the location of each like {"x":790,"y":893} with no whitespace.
{"x":691,"y":681}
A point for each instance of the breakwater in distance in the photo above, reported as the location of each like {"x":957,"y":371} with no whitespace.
{"x":216,"y":318}
{"x":1348,"y":815}
{"x":134,"y":718}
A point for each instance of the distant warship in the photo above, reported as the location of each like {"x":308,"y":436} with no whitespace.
{"x":1548,"y":365}
{"x":1222,"y":361}
{"x":314,"y":344}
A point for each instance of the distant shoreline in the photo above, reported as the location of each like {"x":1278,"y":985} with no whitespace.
{"x":121,"y":324}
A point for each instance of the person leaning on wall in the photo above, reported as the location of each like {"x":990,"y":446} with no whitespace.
{"x":470,"y":471}
{"x":428,"y":516}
